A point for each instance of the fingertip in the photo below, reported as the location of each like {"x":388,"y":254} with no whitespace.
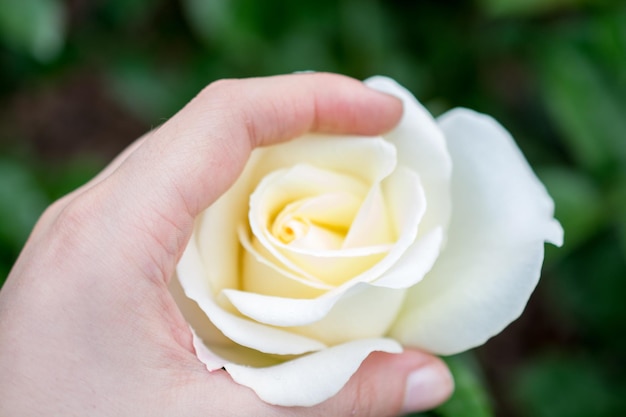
{"x":345,"y":105}
{"x":427,"y":386}
{"x":393,"y":105}
{"x":393,"y":109}
{"x":393,"y":384}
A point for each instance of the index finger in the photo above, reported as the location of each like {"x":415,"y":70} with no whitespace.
{"x":194,"y":157}
{"x":214,"y":134}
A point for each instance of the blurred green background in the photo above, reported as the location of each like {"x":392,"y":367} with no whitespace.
{"x":81,"y":79}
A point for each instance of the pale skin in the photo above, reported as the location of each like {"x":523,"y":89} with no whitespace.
{"x":87,"y":324}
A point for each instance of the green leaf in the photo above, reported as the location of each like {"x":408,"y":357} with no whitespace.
{"x":34,"y":27}
{"x":585,"y":106}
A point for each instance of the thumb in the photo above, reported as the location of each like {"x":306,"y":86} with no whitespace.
{"x":391,"y":385}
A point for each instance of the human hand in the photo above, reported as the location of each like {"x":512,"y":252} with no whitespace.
{"x":87,"y":324}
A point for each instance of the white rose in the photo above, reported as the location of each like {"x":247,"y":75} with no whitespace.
{"x":329,"y":248}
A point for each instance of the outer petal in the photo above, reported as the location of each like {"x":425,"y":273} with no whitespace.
{"x":502,"y":216}
{"x":311,"y":379}
{"x":421,"y":147}
{"x":418,"y":259}
{"x":361,"y":306}
{"x":370,"y":159}
{"x":222,"y":350}
{"x":242,"y":331}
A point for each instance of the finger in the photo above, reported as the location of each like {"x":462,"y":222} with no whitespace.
{"x":195,"y":156}
{"x":203,"y":148}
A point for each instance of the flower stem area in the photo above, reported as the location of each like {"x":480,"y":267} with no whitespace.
{"x":81,"y":80}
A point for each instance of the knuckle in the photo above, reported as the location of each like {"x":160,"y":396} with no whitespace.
{"x":223,"y":89}
{"x":71,"y":221}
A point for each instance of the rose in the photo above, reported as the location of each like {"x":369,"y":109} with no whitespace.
{"x":329,"y":248}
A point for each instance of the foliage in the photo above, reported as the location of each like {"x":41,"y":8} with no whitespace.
{"x":79,"y":80}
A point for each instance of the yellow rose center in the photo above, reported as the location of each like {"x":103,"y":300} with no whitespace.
{"x":312,"y":230}
{"x":319,"y":222}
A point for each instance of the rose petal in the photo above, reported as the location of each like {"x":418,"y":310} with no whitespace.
{"x":414,"y":263}
{"x":254,"y":335}
{"x":421,"y":146}
{"x":280,"y":188}
{"x":311,"y":379}
{"x":412,"y":257}
{"x":242,"y":331}
{"x":210,"y":359}
{"x":368,"y":159}
{"x":502,"y":216}
{"x":407,"y":203}
{"x":223,"y":350}
{"x":363,"y":298}
{"x":258,"y":262}
{"x":276,"y":281}
{"x":363,"y":312}
{"x":371,"y":226}
{"x":319,"y":222}
{"x":301,"y":182}
{"x":219,"y":261}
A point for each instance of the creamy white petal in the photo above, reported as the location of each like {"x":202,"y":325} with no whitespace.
{"x":414,"y":263}
{"x":290,"y":312}
{"x":405,"y":197}
{"x":222,"y":350}
{"x":215,"y":232}
{"x":363,"y":312}
{"x":256,"y":336}
{"x":210,"y":359}
{"x":407,"y":203}
{"x":366,"y":158}
{"x":220,"y":355}
{"x":319,"y":222}
{"x":502,"y":216}
{"x":242,"y":331}
{"x":311,"y":379}
{"x":255,"y":276}
{"x":372,"y":225}
{"x":274,"y":280}
{"x":421,"y":146}
{"x":335,"y":267}
{"x":332,"y":209}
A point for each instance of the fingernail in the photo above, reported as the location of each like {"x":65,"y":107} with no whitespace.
{"x":427,"y":387}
